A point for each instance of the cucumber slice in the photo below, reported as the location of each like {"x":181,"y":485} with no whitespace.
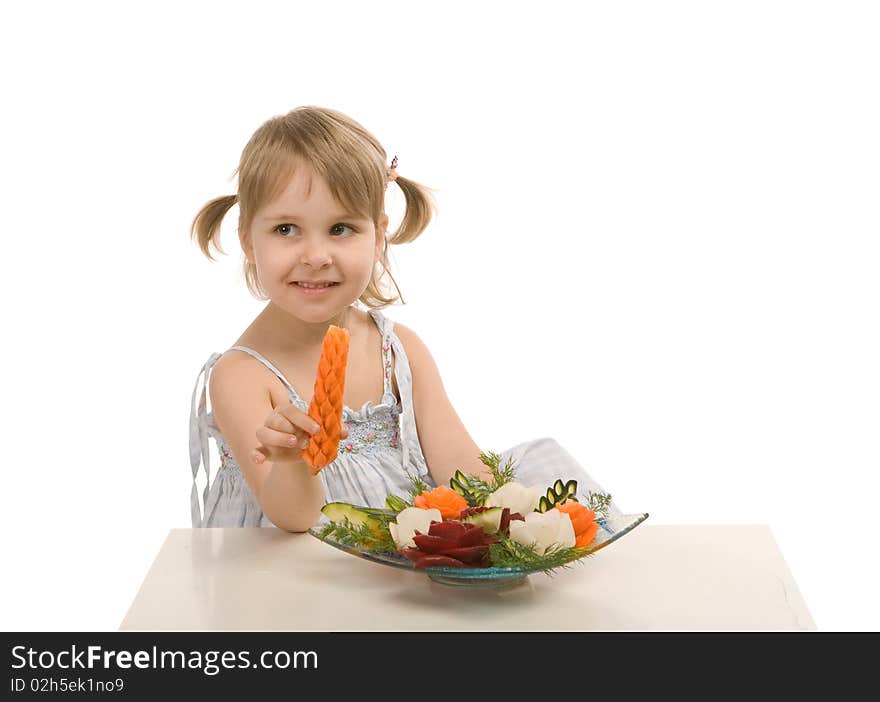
{"x":338,"y":512}
{"x":456,"y":485}
{"x":557,"y":494}
{"x":488,"y":520}
{"x":472,"y":489}
{"x":396,"y":504}
{"x":378,"y":511}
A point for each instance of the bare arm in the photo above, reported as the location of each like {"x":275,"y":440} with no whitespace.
{"x":445,"y":441}
{"x":289,"y":495}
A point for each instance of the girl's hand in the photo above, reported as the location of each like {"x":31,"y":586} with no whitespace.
{"x":284,"y":435}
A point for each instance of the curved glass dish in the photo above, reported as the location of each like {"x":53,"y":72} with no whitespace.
{"x":610,"y":529}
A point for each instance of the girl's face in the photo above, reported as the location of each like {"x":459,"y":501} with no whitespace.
{"x":306,"y":235}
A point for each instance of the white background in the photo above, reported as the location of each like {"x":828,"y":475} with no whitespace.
{"x":657,"y":243}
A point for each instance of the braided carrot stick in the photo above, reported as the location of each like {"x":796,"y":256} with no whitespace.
{"x":326,"y":405}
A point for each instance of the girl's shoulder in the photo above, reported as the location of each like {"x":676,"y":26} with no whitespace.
{"x":235,"y":370}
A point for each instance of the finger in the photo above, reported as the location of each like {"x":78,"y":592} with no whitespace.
{"x":282,"y":440}
{"x":299,"y":419}
{"x":274,"y":454}
{"x":278,"y":421}
{"x":263,"y":454}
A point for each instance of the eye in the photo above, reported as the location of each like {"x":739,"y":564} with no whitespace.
{"x":341,"y":224}
{"x":280,"y":226}
{"x":284,"y":234}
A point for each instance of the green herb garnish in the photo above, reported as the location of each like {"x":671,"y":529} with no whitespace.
{"x":599,"y":502}
{"x":362,"y":536}
{"x":417,"y":485}
{"x":508,"y":553}
{"x":500,"y":476}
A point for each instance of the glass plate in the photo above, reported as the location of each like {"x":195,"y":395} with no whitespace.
{"x":610,"y":529}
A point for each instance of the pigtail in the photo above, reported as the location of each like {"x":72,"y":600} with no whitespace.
{"x":205,"y":228}
{"x":420,"y":209}
{"x":421,"y":206}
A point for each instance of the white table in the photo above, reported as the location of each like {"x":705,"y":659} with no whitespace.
{"x":658,"y":577}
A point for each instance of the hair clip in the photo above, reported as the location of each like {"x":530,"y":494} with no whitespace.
{"x":392,"y":172}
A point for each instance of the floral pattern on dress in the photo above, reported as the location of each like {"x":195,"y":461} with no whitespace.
{"x":373,"y":433}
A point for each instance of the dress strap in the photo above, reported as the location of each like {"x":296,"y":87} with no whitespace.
{"x":413,"y":460}
{"x":385,"y":329}
{"x":272,"y":368}
{"x":198,"y":441}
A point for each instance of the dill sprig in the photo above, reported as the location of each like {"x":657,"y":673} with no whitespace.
{"x":490,"y":458}
{"x":508,"y":553}
{"x":500,"y":476}
{"x":362,"y":536}
{"x":417,"y":485}
{"x":599,"y":502}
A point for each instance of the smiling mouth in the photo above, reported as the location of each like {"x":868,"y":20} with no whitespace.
{"x":313,"y":286}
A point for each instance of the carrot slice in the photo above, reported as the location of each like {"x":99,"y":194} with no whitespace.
{"x":582,"y":521}
{"x":326,"y":405}
{"x":585,"y":538}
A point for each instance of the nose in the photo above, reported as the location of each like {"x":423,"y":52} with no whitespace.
{"x":315,"y":254}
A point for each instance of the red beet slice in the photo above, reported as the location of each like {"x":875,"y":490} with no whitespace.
{"x":413,"y":554}
{"x":474,"y":537}
{"x":471,"y":554}
{"x":434,"y":544}
{"x":434,"y":560}
{"x":449,"y":529}
{"x":505,"y":520}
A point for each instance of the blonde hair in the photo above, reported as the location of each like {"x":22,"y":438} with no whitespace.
{"x":341,"y":151}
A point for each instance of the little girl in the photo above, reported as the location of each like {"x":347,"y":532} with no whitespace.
{"x":312,"y":228}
